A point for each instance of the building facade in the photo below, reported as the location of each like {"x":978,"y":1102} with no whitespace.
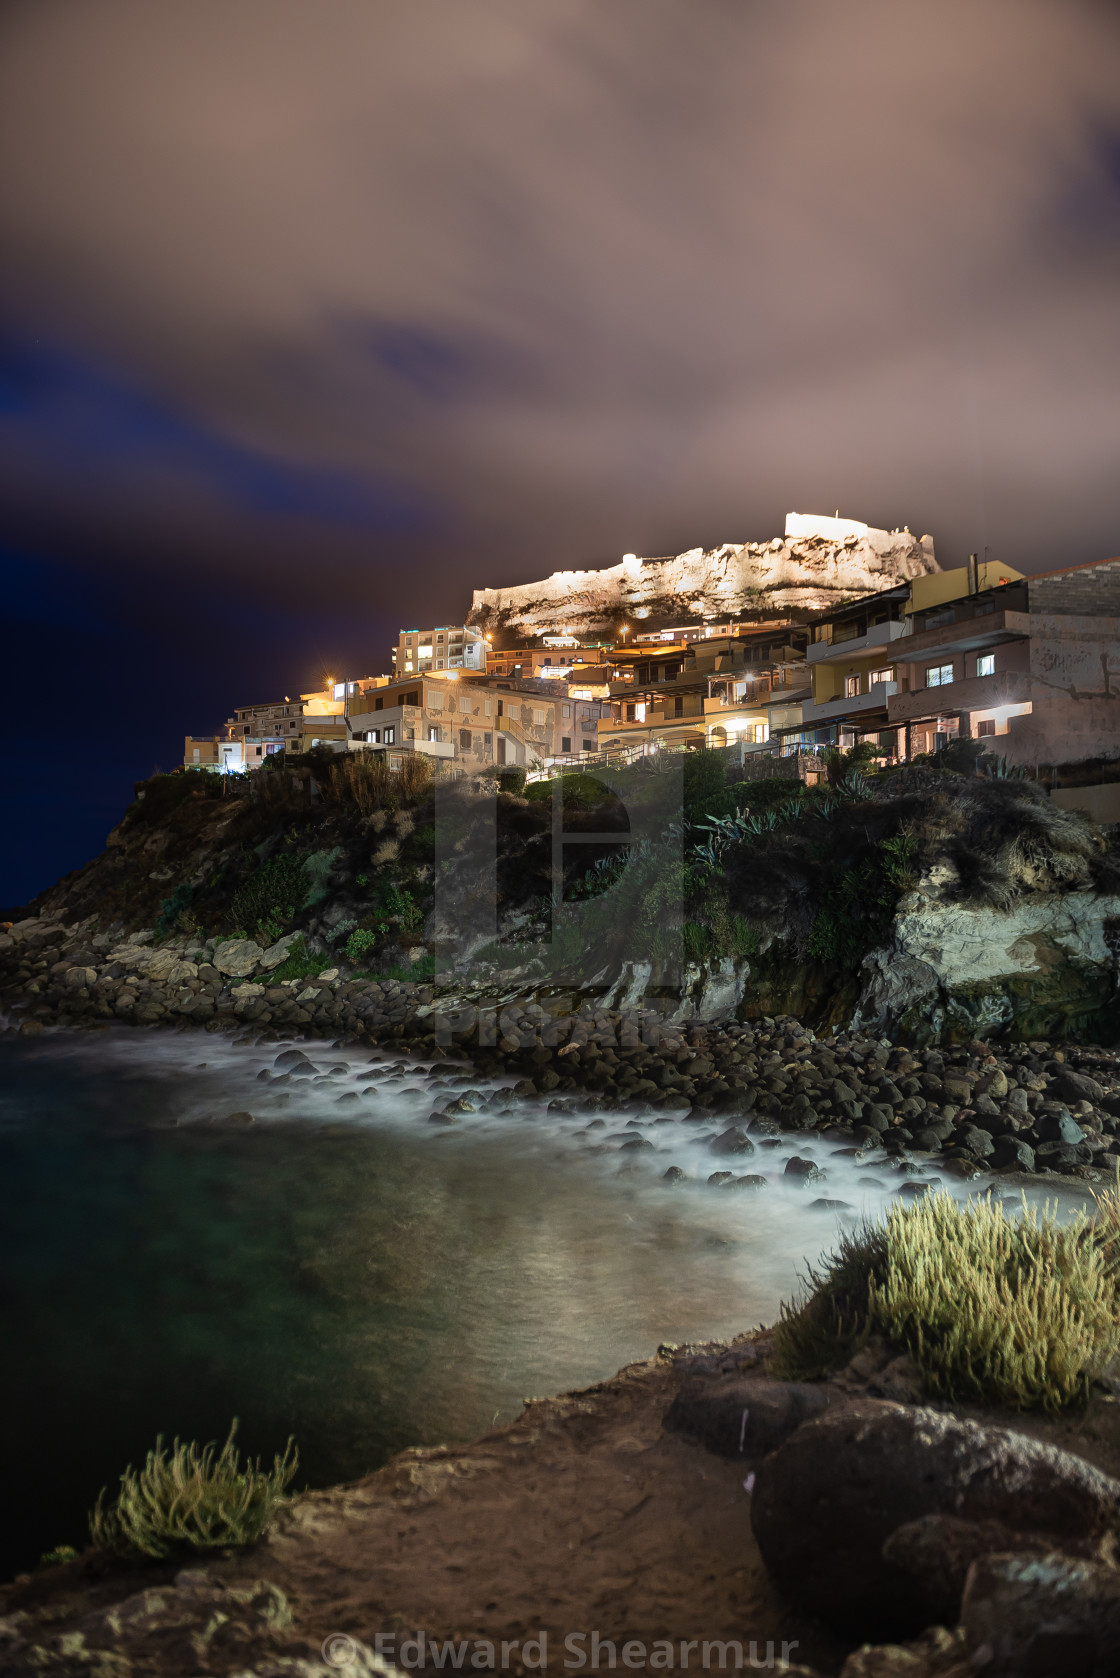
{"x":447,"y":647}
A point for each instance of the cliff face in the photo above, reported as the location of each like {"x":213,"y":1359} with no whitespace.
{"x":818,"y":563}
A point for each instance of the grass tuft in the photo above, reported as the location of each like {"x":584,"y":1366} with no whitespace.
{"x":1022,"y":1312}
{"x":191,"y":1498}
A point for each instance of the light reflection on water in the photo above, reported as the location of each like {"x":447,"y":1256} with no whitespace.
{"x":341,"y":1270}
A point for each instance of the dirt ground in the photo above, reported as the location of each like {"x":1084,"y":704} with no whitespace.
{"x":581,"y":1517}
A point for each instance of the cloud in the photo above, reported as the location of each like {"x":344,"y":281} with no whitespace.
{"x":526,"y":285}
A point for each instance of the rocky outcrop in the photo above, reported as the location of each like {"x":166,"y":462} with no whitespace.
{"x":817,"y":564}
{"x":972,"y":968}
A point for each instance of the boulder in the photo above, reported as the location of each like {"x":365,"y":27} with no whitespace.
{"x":938,"y":1550}
{"x":1077,"y":1086}
{"x":732,"y":1141}
{"x":742,"y":1418}
{"x":236,"y":958}
{"x":1059,"y":1127}
{"x":290,"y":1058}
{"x":278,"y":952}
{"x":827,"y":1500}
{"x":1028,"y":1615}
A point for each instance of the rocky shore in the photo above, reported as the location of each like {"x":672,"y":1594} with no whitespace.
{"x":693,"y":1511}
{"x":980,"y":1107}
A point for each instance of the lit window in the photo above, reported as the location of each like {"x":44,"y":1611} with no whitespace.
{"x":882,"y":675}
{"x":390,"y":736}
{"x":425,"y":652}
{"x":851,"y":687}
{"x":939,"y":675}
{"x":986,"y":666}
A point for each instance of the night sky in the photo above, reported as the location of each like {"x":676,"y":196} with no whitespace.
{"x":313,"y":317}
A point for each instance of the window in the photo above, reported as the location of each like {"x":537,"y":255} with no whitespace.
{"x":986,"y":664}
{"x":390,"y":736}
{"x":539,"y":718}
{"x":882,"y":675}
{"x":489,"y":705}
{"x":433,"y":734}
{"x":678,"y":707}
{"x":513,"y":711}
{"x":425,"y":652}
{"x":464,"y":739}
{"x":590,"y":745}
{"x":985,"y":727}
{"x":488,"y":741}
{"x":631,"y":713}
{"x":567,"y":711}
{"x":258,"y":751}
{"x":939,"y":675}
{"x":565,"y":744}
{"x":851,"y":687}
{"x":197,"y":755}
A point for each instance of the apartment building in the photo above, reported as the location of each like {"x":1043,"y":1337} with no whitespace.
{"x":707,"y":690}
{"x":476,"y":720}
{"x":275,"y":720}
{"x":447,"y":647}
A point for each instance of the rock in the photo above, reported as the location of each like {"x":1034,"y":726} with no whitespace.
{"x":1012,"y":1150}
{"x":938,"y":1653}
{"x":240,"y":1119}
{"x":1077,"y":1086}
{"x":742,"y":1418}
{"x":236,"y":958}
{"x":674,"y":1175}
{"x":1059,"y":1127}
{"x":291,"y":1058}
{"x":828,"y":1499}
{"x":977,"y":1141}
{"x":937,"y":1551}
{"x":1028,"y":1615}
{"x":718,"y":1177}
{"x":278,"y":952}
{"x":803,"y":1170}
{"x":927,"y":1140}
{"x":749,"y":1182}
{"x":822,"y":1205}
{"x":76,"y":977}
{"x":634,"y":1143}
{"x":732,"y":1141}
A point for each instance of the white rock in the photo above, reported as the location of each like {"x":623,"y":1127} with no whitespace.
{"x":276,"y":953}
{"x":77,"y":976}
{"x":246,"y":989}
{"x":237,"y":957}
{"x":329,"y":974}
{"x":309,"y":994}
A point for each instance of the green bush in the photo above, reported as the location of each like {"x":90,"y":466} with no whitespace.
{"x":317,"y":870}
{"x":704,"y":777}
{"x":359,"y":944}
{"x":174,"y":912}
{"x":271,"y":895}
{"x":191,"y":1499}
{"x":994,"y":1310}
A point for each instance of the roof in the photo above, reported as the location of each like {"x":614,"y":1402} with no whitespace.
{"x":1064,"y":570}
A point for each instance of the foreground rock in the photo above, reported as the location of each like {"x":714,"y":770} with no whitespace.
{"x":1024,"y":1615}
{"x":827,"y":1501}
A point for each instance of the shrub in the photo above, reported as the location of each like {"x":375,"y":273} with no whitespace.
{"x":271,"y":895}
{"x":191,"y":1499}
{"x":174,"y":912}
{"x":317,"y":868}
{"x":359,"y":944}
{"x":1012,"y":1311}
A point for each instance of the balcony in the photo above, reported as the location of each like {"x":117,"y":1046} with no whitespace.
{"x":972,"y":693}
{"x":877,"y":698}
{"x":967,"y":632}
{"x":836,"y":652}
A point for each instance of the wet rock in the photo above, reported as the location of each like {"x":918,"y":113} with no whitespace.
{"x":828,"y":1499}
{"x":749,"y":1183}
{"x":1033,"y":1616}
{"x":1077,"y":1086}
{"x":636,"y":1143}
{"x":974,"y":1140}
{"x":938,"y":1653}
{"x":240,"y":1119}
{"x":742,"y":1418}
{"x":674,"y":1175}
{"x":822,"y":1205}
{"x":803,"y":1170}
{"x":719,"y":1177}
{"x":732,"y":1141}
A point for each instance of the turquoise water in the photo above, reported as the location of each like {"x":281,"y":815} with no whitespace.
{"x":343,"y":1271}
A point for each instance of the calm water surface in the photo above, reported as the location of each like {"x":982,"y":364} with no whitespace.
{"x":341,"y":1269}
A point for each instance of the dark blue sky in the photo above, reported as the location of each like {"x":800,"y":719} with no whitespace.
{"x":310,"y":323}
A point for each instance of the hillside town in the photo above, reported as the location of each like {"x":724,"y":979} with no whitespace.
{"x":978,"y":651}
